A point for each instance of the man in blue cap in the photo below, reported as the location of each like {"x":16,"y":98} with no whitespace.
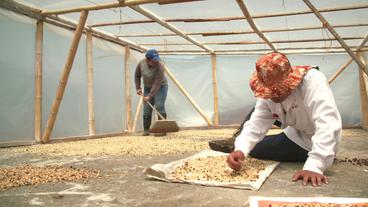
{"x":154,"y":86}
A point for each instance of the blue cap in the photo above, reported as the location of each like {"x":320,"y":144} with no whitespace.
{"x":152,"y":54}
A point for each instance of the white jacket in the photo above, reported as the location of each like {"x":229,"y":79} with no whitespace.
{"x":309,"y":118}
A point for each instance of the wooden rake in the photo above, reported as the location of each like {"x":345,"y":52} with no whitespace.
{"x":163,"y":125}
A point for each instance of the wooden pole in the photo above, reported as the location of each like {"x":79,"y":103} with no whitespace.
{"x":264,"y":50}
{"x":363,"y":82}
{"x":186,"y":94}
{"x":342,"y":68}
{"x":137,"y":112}
{"x":253,"y":25}
{"x":334,"y":33}
{"x":169,"y":26}
{"x":14,"y":6}
{"x":64,"y":77}
{"x":128,"y":96}
{"x":361,"y":48}
{"x":99,"y":33}
{"x":285,"y":41}
{"x":223,"y":33}
{"x":261,"y":53}
{"x":255,"y":42}
{"x":215,"y":90}
{"x":91,"y":113}
{"x":38,"y":82}
{"x":233,"y":18}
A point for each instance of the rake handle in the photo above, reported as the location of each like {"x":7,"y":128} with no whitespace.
{"x":155,"y":109}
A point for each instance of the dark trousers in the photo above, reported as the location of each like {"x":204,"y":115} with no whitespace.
{"x":158,"y":101}
{"x":279,"y":147}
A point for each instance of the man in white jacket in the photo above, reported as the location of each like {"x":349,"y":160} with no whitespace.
{"x":299,"y":97}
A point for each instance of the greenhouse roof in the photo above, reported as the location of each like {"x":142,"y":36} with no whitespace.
{"x":215,"y":26}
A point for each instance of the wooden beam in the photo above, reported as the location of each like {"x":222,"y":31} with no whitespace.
{"x":64,"y":77}
{"x":128,"y":95}
{"x":108,"y":24}
{"x":355,"y":48}
{"x":16,"y":7}
{"x":253,"y":25}
{"x":90,"y":83}
{"x":334,"y":33}
{"x":363,"y":82}
{"x":215,"y":91}
{"x":186,"y":94}
{"x":120,"y":3}
{"x":101,"y":34}
{"x":169,"y":26}
{"x":255,"y":42}
{"x":262,"y":53}
{"x":137,"y":112}
{"x":287,"y":48}
{"x":70,"y":25}
{"x":176,"y":1}
{"x":226,"y":19}
{"x":64,"y":23}
{"x":205,"y":34}
{"x":224,"y":33}
{"x":339,"y":71}
{"x":38,"y":82}
{"x":342,"y":68}
{"x":278,"y":41}
{"x":360,"y":48}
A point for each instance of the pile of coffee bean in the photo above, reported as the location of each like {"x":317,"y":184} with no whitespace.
{"x":354,"y":161}
{"x":34,"y":175}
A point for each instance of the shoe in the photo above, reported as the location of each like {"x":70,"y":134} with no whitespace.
{"x":145,"y":133}
{"x":160,"y":134}
{"x":222,"y":145}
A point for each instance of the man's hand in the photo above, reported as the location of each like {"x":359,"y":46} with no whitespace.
{"x":315,"y":178}
{"x":139,"y":92}
{"x":146,"y":98}
{"x":235,"y":159}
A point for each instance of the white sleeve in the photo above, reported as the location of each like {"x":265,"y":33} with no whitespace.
{"x":320,"y":103}
{"x":255,"y":128}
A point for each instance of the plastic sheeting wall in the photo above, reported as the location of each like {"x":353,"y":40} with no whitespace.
{"x":16,"y":77}
{"x":17,"y":81}
{"x":193,"y":72}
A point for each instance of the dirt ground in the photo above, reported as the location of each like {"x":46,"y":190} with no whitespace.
{"x":121,"y":160}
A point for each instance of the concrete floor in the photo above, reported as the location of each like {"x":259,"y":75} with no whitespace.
{"x":123,"y":184}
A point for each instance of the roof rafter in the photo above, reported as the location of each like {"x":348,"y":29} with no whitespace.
{"x":309,"y":49}
{"x":169,"y":26}
{"x":222,"y":19}
{"x":258,"y":42}
{"x":120,"y":3}
{"x":222,"y":33}
{"x":253,"y":25}
{"x":35,"y":13}
{"x":336,"y":35}
{"x":343,"y":67}
{"x":258,"y":53}
{"x":100,"y":33}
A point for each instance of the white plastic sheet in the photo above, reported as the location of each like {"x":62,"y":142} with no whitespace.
{"x":163,"y":171}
